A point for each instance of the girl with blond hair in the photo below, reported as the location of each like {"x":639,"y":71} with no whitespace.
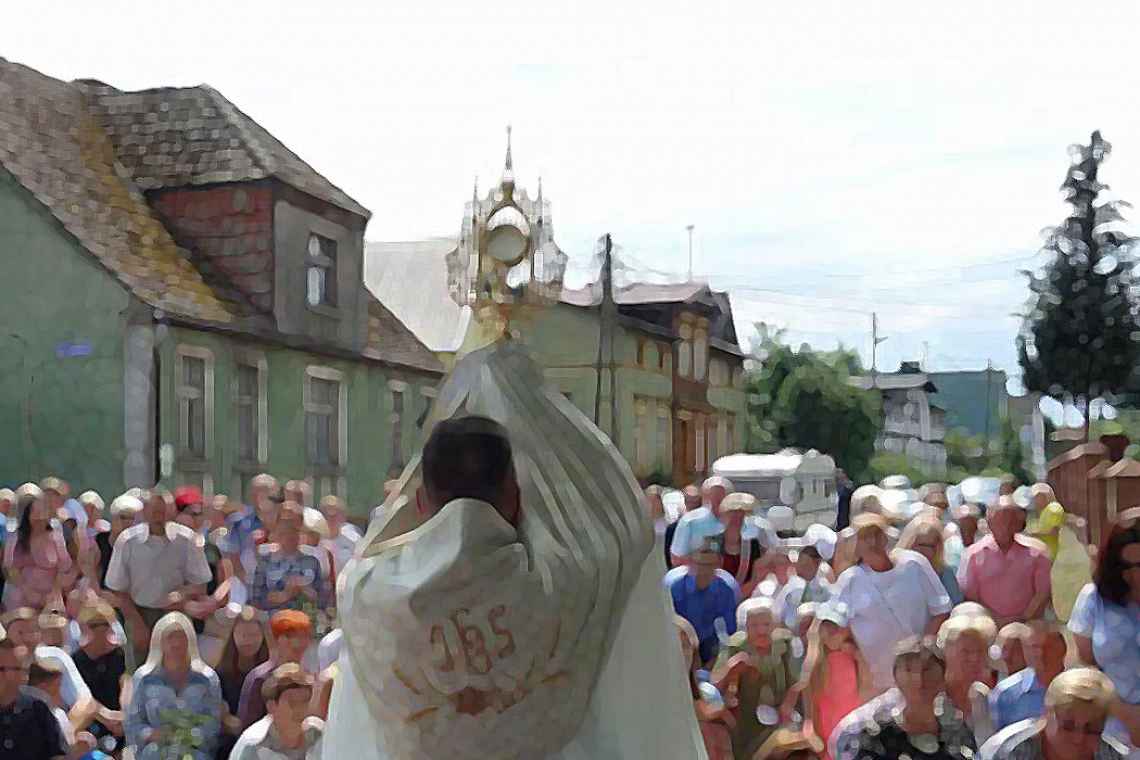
{"x":835,"y":678}
{"x":176,"y":701}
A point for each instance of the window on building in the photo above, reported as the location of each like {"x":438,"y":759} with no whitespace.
{"x":324,"y":419}
{"x":712,"y":439}
{"x":718,"y":373}
{"x":700,"y":354}
{"x":397,"y":421}
{"x":649,"y":358}
{"x":251,"y":403}
{"x":195,"y":393}
{"x":321,"y":271}
{"x":699,"y":421}
{"x":641,"y":435}
{"x":641,"y":353}
{"x":664,"y":450}
{"x":685,"y":352}
{"x":663,"y":354}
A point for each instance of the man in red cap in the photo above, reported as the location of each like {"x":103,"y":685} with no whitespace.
{"x":190,"y":504}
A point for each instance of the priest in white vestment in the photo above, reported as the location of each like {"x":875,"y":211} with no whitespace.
{"x":521,"y":618}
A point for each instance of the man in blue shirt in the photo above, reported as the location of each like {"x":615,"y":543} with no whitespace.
{"x":695,"y":524}
{"x":703,"y":594}
{"x":239,"y":543}
{"x":1022,"y":695}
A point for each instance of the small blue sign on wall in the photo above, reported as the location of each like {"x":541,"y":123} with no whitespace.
{"x":73,"y":349}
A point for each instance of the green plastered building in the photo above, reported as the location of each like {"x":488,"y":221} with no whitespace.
{"x":184,"y":302}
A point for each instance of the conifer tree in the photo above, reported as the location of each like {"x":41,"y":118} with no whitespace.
{"x":1079,"y":339}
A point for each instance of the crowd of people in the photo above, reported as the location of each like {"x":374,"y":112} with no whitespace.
{"x":168,"y":626}
{"x":923,"y":633}
{"x":164,"y":626}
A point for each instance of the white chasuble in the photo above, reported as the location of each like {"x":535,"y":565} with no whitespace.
{"x":465,"y":639}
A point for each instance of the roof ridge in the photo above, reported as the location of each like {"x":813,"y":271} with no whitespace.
{"x":256,"y":153}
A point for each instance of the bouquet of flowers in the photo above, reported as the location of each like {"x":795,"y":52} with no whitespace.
{"x":182,"y":734}
{"x":322,"y":621}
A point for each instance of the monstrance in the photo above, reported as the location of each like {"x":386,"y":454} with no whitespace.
{"x":506,"y":262}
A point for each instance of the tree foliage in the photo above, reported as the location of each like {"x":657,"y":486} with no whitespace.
{"x":1077,"y":339}
{"x":802,"y":398}
{"x":968,"y":455}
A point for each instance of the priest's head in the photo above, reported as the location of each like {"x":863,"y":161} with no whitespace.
{"x":469,"y":458}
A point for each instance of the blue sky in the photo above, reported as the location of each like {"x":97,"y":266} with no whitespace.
{"x":835,"y":158}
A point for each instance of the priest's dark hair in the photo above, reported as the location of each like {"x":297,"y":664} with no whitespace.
{"x":467,"y":458}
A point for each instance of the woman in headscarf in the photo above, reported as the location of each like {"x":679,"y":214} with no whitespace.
{"x":176,"y":704}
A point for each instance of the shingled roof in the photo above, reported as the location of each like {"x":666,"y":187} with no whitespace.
{"x":56,"y":139}
{"x":180,"y":136}
{"x":390,"y":340}
{"x":56,"y":149}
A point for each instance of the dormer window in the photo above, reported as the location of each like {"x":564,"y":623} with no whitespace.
{"x":320,"y":263}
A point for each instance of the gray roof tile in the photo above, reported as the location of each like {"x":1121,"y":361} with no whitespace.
{"x":54,"y":148}
{"x":180,"y":136}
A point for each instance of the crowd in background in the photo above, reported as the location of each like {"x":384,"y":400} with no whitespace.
{"x":930,"y":635}
{"x":166,"y":626}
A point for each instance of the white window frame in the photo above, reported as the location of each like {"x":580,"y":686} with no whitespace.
{"x":396,"y":421}
{"x":429,"y":393}
{"x":664,"y":450}
{"x":700,"y":353}
{"x":711,"y":441}
{"x":700,"y":442}
{"x":685,"y":351}
{"x":641,"y":434}
{"x":257,"y":361}
{"x":332,"y":375}
{"x":328,"y":267}
{"x":184,"y":394}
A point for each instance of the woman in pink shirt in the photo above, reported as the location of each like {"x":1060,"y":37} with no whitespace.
{"x":37,"y":564}
{"x":835,"y":679}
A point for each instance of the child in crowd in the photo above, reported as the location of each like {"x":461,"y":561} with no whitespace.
{"x":835,"y":678}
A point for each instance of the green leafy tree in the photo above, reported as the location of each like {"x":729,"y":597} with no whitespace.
{"x":1077,"y":338}
{"x":968,"y":455}
{"x":802,"y":398}
{"x":884,"y":463}
{"x":1011,"y":453}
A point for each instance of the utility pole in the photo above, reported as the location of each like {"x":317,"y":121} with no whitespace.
{"x":690,"y":229}
{"x":606,"y":341}
{"x":875,"y":341}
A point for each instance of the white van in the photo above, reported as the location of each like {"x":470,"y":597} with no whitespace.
{"x":803,"y":481}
